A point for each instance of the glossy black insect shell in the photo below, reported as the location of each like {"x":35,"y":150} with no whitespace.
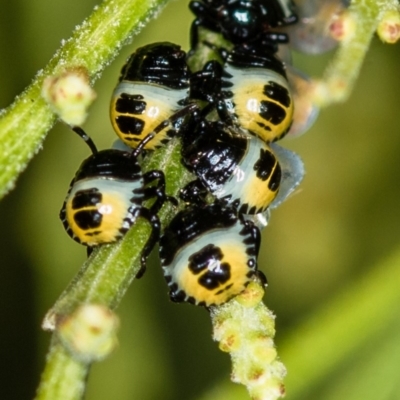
{"x":109,"y":163}
{"x":208,"y":83}
{"x":250,"y":91}
{"x":240,"y":21}
{"x":161,"y":63}
{"x":190,"y":223}
{"x":251,"y":56}
{"x":238,"y":170}
{"x":211,"y":153}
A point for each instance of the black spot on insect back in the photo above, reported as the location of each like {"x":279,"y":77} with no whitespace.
{"x":203,"y":260}
{"x":86,"y":198}
{"x":265,"y":164}
{"x":272,"y":112}
{"x":130,"y":126}
{"x":127,"y":103}
{"x":200,"y":260}
{"x":88,"y":219}
{"x":278,"y":93}
{"x":276,"y":178}
{"x":213,"y":279}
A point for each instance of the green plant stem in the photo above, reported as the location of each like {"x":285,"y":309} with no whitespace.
{"x":108,"y":272}
{"x":23,"y":125}
{"x":245,"y":328}
{"x":342,"y":72}
{"x":106,"y":275}
{"x":64,"y":378}
{"x":361,"y":321}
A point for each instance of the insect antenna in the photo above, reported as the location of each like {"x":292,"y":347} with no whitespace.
{"x":87,"y":139}
{"x":186,"y":110}
{"x":135,"y":153}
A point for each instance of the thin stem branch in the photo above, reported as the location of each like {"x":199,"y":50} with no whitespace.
{"x":360,"y":22}
{"x":107,"y":274}
{"x":23,"y":125}
{"x":361,"y":321}
{"x":64,"y":377}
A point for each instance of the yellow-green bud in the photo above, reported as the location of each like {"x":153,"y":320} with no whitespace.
{"x":69,"y":95}
{"x":389,"y":27}
{"x":90,"y":332}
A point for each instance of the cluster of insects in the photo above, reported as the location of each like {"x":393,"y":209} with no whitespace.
{"x":228,"y":116}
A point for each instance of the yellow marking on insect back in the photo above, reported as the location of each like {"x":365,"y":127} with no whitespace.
{"x":155,"y":113}
{"x":248,"y":95}
{"x":256,"y":192}
{"x":159,"y":102}
{"x":234,"y":254}
{"x":113,"y":208}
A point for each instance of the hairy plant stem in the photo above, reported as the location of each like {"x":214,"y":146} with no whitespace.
{"x":93,"y":45}
{"x":361,"y":21}
{"x":360,"y":321}
{"x":106,"y":275}
{"x":64,"y":377}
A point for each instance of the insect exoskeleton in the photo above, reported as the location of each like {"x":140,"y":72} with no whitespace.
{"x":106,"y":196}
{"x":250,"y":90}
{"x":151,"y":95}
{"x":209,"y":254}
{"x":239,"y":170}
{"x":242,"y":21}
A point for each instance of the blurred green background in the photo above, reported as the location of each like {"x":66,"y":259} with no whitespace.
{"x":331,"y":235}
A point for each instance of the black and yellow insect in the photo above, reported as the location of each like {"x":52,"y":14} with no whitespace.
{"x":209,"y":254}
{"x":250,"y":91}
{"x":151,"y":95}
{"x":106,"y":197}
{"x":239,"y":170}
